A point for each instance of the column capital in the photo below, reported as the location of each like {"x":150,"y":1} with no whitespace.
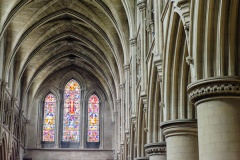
{"x":210,"y":88}
{"x":155,"y":148}
{"x":115,"y":113}
{"x":126,"y":67}
{"x":4,"y":84}
{"x":122,"y":86}
{"x":118,"y":101}
{"x":179,"y":127}
{"x":14,"y":99}
{"x":142,"y":4}
{"x":133,"y":41}
{"x":189,"y":60}
{"x":27,"y":122}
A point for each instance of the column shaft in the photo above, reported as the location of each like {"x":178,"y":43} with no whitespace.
{"x":181,"y":138}
{"x":217,"y":101}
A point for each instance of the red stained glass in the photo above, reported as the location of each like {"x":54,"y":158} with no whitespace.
{"x":71,"y":112}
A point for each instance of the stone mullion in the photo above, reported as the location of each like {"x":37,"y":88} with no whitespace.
{"x":11,"y":124}
{"x":40,"y":123}
{"x":57,"y":126}
{"x":101,"y":123}
{"x":2,"y":96}
{"x":82,"y":127}
{"x":142,"y":7}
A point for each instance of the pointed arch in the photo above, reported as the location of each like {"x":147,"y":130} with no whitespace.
{"x":49,"y":115}
{"x":71,"y":112}
{"x":93,"y":119}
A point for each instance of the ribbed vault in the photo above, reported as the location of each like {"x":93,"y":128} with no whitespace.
{"x":48,"y":37}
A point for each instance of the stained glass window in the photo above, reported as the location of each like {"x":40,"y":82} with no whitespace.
{"x":71,"y":112}
{"x":93,"y":119}
{"x":49,"y":118}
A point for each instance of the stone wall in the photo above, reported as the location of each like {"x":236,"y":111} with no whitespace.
{"x":69,"y":154}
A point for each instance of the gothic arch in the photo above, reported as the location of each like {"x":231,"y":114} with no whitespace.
{"x":177,"y":72}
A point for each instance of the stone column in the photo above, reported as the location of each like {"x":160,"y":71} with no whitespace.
{"x":182,"y":140}
{"x":218,"y":110}
{"x":156,"y":151}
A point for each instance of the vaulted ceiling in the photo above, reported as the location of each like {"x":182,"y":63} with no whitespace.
{"x":48,"y":36}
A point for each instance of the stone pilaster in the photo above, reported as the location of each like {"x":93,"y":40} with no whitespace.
{"x":142,"y":8}
{"x":156,"y":151}
{"x":182,"y":140}
{"x":217,"y":101}
{"x":133,"y":42}
{"x":126,"y":69}
{"x":122,"y":120}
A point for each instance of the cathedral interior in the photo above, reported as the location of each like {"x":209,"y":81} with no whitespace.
{"x":119,"y":80}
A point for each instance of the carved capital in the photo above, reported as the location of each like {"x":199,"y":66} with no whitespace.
{"x":133,"y":41}
{"x":112,"y":122}
{"x":189,"y":60}
{"x":27,"y":122}
{"x":14,"y":99}
{"x":122,"y":86}
{"x":4,"y":84}
{"x":126,"y":67}
{"x":179,"y":127}
{"x":142,"y":4}
{"x":161,"y":105}
{"x":214,"y":87}
{"x":155,"y":148}
{"x":115,"y":113}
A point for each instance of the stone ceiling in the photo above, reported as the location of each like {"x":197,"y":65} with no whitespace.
{"x":46,"y":36}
